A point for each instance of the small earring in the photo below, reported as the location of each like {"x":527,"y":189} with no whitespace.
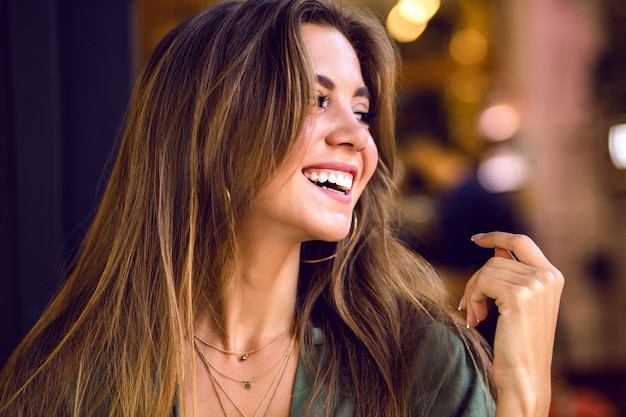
{"x":355,"y":223}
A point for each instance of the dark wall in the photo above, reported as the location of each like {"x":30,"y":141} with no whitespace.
{"x":65,"y":80}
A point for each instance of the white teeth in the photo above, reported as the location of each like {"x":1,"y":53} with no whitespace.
{"x":342,"y":179}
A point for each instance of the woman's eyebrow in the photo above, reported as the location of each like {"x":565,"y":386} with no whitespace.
{"x":327,"y":83}
{"x":363,"y":92}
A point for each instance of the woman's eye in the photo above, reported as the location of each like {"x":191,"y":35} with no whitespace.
{"x":322,"y":101}
{"x":367,"y":118}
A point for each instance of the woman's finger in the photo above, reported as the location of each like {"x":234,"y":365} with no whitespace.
{"x":522,"y":246}
{"x":498,"y":268}
{"x":510,"y":289}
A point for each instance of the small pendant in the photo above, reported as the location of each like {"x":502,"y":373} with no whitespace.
{"x":247,"y":386}
{"x":244,"y":356}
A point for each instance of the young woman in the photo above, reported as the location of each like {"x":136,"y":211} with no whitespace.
{"x":243,"y":261}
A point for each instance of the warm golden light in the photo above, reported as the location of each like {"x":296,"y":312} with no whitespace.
{"x":418,"y":11}
{"x":468,"y":46}
{"x":402,"y":29}
{"x":468,"y":84}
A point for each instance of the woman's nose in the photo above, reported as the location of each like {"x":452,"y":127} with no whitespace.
{"x":348,"y":131}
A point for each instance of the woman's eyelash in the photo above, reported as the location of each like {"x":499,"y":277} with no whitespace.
{"x":322,"y":101}
{"x":367,"y":118}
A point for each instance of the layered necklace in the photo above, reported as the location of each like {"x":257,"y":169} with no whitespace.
{"x":219,"y":387}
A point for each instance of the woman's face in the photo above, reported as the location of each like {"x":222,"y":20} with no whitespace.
{"x":314,"y":192}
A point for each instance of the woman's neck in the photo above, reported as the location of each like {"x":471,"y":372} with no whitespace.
{"x":259,"y":302}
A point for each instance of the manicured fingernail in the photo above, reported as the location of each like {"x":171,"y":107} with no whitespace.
{"x":467,"y":325}
{"x":477,"y":236}
{"x":461,"y":303}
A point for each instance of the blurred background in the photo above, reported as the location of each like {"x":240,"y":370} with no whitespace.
{"x":511,"y":116}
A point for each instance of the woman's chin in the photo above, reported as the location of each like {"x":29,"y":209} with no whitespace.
{"x":335,"y":234}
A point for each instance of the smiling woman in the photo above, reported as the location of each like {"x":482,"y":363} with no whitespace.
{"x":335,"y":144}
{"x":250,"y":144}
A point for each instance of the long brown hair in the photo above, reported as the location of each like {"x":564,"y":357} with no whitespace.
{"x":219,"y":105}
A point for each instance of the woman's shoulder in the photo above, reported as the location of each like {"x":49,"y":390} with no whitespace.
{"x":441,"y":351}
{"x":439,"y":340}
{"x":446,"y":372}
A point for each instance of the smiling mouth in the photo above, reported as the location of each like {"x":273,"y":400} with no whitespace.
{"x":338,"y":181}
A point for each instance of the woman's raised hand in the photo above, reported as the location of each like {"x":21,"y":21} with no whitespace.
{"x":527,"y":290}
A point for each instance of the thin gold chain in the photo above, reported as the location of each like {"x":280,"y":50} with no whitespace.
{"x":282,"y":373}
{"x":219,"y":397}
{"x":242,"y":355}
{"x":272,"y":389}
{"x":247,"y":382}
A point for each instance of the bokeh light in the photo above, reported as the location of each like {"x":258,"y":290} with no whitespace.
{"x":418,"y":11}
{"x":617,"y":145}
{"x":402,"y":29}
{"x":468,"y":46}
{"x":499,"y":122}
{"x":503,"y":171}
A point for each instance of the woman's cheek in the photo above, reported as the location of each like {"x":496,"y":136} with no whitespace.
{"x":370,"y":162}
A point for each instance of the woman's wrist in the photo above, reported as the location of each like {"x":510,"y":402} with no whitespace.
{"x":526,"y":399}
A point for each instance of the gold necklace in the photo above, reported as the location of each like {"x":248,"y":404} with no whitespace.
{"x":242,"y":355}
{"x":247,"y":383}
{"x":269,"y":395}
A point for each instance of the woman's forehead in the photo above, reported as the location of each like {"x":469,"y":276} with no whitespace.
{"x":333,"y":56}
